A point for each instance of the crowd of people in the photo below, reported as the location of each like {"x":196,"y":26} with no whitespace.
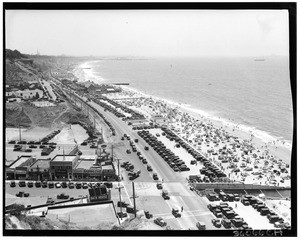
{"x":240,"y":159}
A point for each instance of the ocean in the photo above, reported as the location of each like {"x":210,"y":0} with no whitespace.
{"x":254,"y":94}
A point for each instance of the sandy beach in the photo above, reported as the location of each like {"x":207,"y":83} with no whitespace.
{"x":242,"y":155}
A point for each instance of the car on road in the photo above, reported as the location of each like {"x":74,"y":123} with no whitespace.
{"x":144,"y":161}
{"x":159,"y":186}
{"x":128,"y":151}
{"x":12,"y":183}
{"x":176,"y":213}
{"x":149,"y":168}
{"x":165,"y":195}
{"x":155,"y":177}
{"x":30,"y":184}
{"x":148,"y":215}
{"x":201,"y":225}
{"x":160,"y":222}
{"x":216,"y":222}
{"x":146,"y":148}
{"x":136,"y":140}
{"x":122,"y":138}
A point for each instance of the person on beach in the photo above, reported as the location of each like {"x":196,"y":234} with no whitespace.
{"x":182,"y":209}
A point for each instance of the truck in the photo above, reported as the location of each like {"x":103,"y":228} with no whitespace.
{"x":62,"y":196}
{"x":201,"y":225}
{"x":22,"y":194}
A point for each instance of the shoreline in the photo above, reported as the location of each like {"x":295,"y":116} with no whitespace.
{"x":260,"y":139}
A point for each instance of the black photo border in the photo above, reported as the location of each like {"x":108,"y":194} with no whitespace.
{"x":290,"y":6}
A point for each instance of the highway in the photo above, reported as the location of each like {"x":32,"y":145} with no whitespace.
{"x":194,"y":206}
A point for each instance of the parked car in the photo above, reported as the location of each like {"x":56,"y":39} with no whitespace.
{"x":159,"y":186}
{"x":22,"y":184}
{"x":226,"y":223}
{"x":38,"y":184}
{"x":160,"y":222}
{"x":64,"y":185}
{"x":12,"y":183}
{"x":44,"y":184}
{"x":216,"y":222}
{"x":149,"y":168}
{"x":30,"y":184}
{"x":57,"y":185}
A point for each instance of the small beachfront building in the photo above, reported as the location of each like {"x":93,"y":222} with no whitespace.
{"x":27,"y":94}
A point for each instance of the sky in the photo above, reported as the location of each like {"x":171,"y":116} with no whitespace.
{"x":148,"y":33}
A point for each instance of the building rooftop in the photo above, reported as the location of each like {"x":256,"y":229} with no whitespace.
{"x":85,"y":164}
{"x":64,"y":158}
{"x":87,"y":157}
{"x":107,"y":167}
{"x":20,"y":161}
{"x":41,"y":163}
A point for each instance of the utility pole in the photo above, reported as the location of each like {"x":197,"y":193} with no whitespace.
{"x":134,"y":197}
{"x":20,"y":132}
{"x":120,"y":197}
{"x":94,"y":122}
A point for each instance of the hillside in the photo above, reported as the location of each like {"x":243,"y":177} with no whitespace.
{"x":20,"y":68}
{"x":36,"y":223}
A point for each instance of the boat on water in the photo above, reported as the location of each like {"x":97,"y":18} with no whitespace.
{"x":259,"y":59}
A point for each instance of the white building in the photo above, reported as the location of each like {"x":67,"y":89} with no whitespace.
{"x":28,"y":94}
